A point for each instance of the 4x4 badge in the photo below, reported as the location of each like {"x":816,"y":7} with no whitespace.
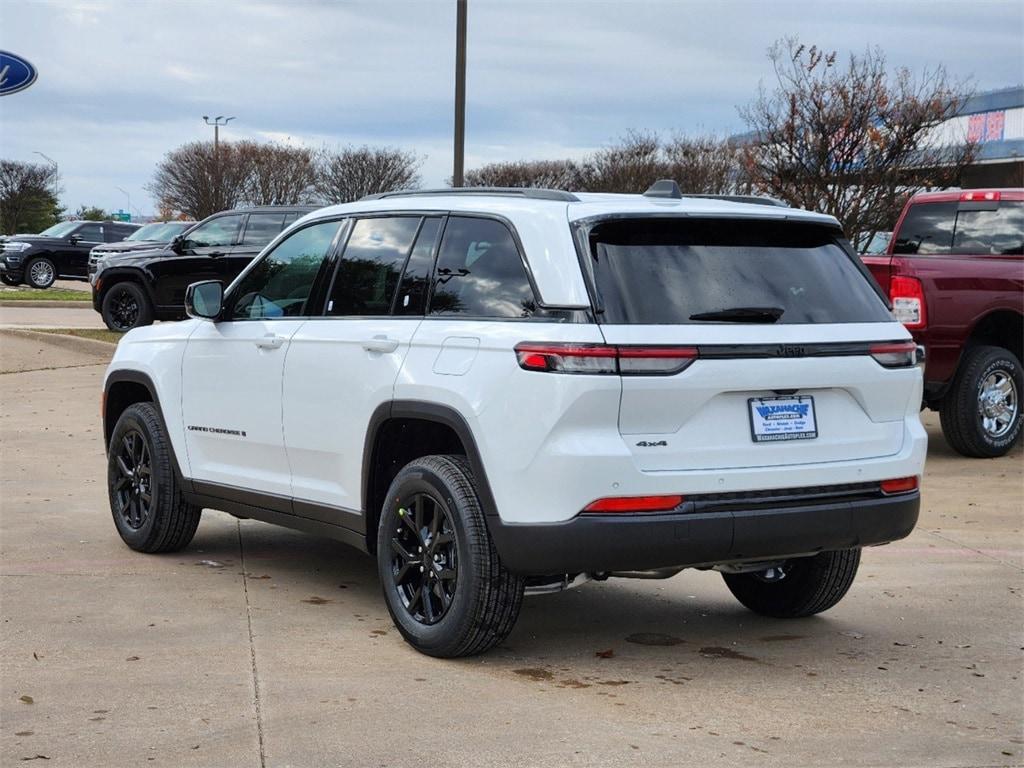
{"x":652,"y":444}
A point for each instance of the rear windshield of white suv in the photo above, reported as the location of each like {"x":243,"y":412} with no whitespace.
{"x":660,"y":271}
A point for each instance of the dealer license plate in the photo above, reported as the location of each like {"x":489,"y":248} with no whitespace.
{"x":773,"y":419}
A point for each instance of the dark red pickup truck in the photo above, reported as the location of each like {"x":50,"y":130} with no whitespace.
{"x":954,"y":272}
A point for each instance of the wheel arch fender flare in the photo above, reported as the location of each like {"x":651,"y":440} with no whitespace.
{"x":425,"y":411}
{"x":126,"y":274}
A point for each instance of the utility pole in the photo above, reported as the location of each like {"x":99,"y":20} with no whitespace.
{"x":56,"y":173}
{"x":458,"y":179}
{"x":125,"y":193}
{"x":216,"y":123}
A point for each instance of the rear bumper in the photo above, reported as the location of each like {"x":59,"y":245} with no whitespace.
{"x":702,"y":534}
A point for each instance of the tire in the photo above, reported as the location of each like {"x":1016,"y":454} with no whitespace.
{"x":810,"y":585}
{"x":981,"y":413}
{"x":126,"y":306}
{"x":471,"y":601}
{"x":8,"y":280}
{"x":40,"y":272}
{"x":139,"y":459}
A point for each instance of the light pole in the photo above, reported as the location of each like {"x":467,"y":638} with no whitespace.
{"x":56,"y":173}
{"x":125,"y":193}
{"x":460,"y":93}
{"x":216,"y":123}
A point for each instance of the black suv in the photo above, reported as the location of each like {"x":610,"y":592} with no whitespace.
{"x":62,"y":251}
{"x":156,"y":234}
{"x":138,"y":287}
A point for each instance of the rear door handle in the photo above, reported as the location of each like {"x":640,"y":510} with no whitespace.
{"x":270,"y":341}
{"x":380,"y":344}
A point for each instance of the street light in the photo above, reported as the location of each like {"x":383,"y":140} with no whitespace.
{"x":216,"y":123}
{"x":460,"y":93}
{"x":125,"y":193}
{"x":56,"y":173}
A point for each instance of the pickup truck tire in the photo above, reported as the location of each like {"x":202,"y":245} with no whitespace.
{"x":40,"y":272}
{"x":145,"y":496}
{"x":445,"y":588}
{"x":8,"y":280}
{"x":126,"y":306}
{"x":981,"y":413}
{"x":809,"y":585}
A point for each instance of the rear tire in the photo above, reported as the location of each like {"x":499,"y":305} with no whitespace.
{"x":126,"y":306}
{"x":145,"y":496}
{"x":445,"y":587}
{"x":40,"y":272}
{"x":810,"y":585}
{"x":981,"y":413}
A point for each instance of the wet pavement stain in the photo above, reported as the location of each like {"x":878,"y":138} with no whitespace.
{"x":653,"y":638}
{"x":534,"y":673}
{"x":781,"y":638}
{"x":717,"y":652}
{"x":316,"y":600}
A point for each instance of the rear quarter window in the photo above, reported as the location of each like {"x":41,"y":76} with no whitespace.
{"x":667,"y":271}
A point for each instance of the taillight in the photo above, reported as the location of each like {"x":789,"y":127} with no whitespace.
{"x":634,"y":504}
{"x":899,"y":354}
{"x":907,"y":297}
{"x":899,"y":485}
{"x":553,"y":357}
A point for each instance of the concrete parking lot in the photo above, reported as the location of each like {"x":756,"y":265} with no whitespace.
{"x":257,"y":646}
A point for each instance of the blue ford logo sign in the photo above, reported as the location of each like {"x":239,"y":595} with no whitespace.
{"x":16,"y":74}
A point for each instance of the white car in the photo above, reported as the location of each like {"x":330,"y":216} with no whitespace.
{"x":498,"y":392}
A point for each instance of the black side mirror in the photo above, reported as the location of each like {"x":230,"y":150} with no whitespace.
{"x":205,"y":299}
{"x":75,"y":239}
{"x":178,"y":244}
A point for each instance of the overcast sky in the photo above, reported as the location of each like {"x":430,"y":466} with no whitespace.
{"x":123,"y":81}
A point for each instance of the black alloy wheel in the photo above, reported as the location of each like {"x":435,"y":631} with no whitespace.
{"x":124,"y":309}
{"x":125,"y":306}
{"x":132,"y":490}
{"x":424,"y":558}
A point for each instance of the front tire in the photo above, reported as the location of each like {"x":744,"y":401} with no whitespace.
{"x":126,"y":306}
{"x":145,"y":496}
{"x":40,"y":272}
{"x":445,"y":587}
{"x":8,"y":280}
{"x":808,"y":585}
{"x":981,"y":413}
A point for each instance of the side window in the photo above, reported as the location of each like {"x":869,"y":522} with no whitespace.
{"x":480,"y":272}
{"x":927,"y":229}
{"x":113,"y":233}
{"x":280,"y":283}
{"x":412,"y":293}
{"x":291,"y":218}
{"x":261,"y":228}
{"x":369,"y":268}
{"x":990,"y":232}
{"x":220,"y":232}
{"x":90,"y":233}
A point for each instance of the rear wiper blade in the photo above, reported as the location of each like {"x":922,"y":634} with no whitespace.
{"x":742,"y":315}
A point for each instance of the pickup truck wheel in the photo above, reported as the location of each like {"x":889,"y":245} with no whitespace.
{"x":40,"y":272}
{"x":447,"y":591}
{"x":145,"y":497}
{"x":8,"y":280}
{"x":126,"y":306}
{"x":802,"y":586}
{"x":981,"y":414}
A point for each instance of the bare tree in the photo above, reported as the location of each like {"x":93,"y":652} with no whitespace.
{"x":27,"y":202}
{"x":701,"y":164}
{"x":349,"y":173}
{"x":852,"y":139}
{"x":547,"y":174}
{"x":198,"y":182}
{"x":278,"y":174}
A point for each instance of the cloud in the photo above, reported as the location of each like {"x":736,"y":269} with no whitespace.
{"x":122,"y":82}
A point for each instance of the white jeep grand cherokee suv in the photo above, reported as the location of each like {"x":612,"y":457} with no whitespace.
{"x":503,"y":391}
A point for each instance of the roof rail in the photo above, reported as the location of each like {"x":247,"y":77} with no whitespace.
{"x":751,"y":199}
{"x":528,"y":192}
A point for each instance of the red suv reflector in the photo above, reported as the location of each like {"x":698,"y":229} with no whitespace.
{"x":634,"y":504}
{"x":899,"y":485}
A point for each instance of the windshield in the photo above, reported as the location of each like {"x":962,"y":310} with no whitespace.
{"x":160,"y":231}
{"x":878,"y":244}
{"x":667,"y":271}
{"x":59,"y":230}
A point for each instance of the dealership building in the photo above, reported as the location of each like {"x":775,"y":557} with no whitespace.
{"x":995,"y":121}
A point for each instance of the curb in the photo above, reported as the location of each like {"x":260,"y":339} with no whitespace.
{"x":83,"y":304}
{"x":73,"y":343}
